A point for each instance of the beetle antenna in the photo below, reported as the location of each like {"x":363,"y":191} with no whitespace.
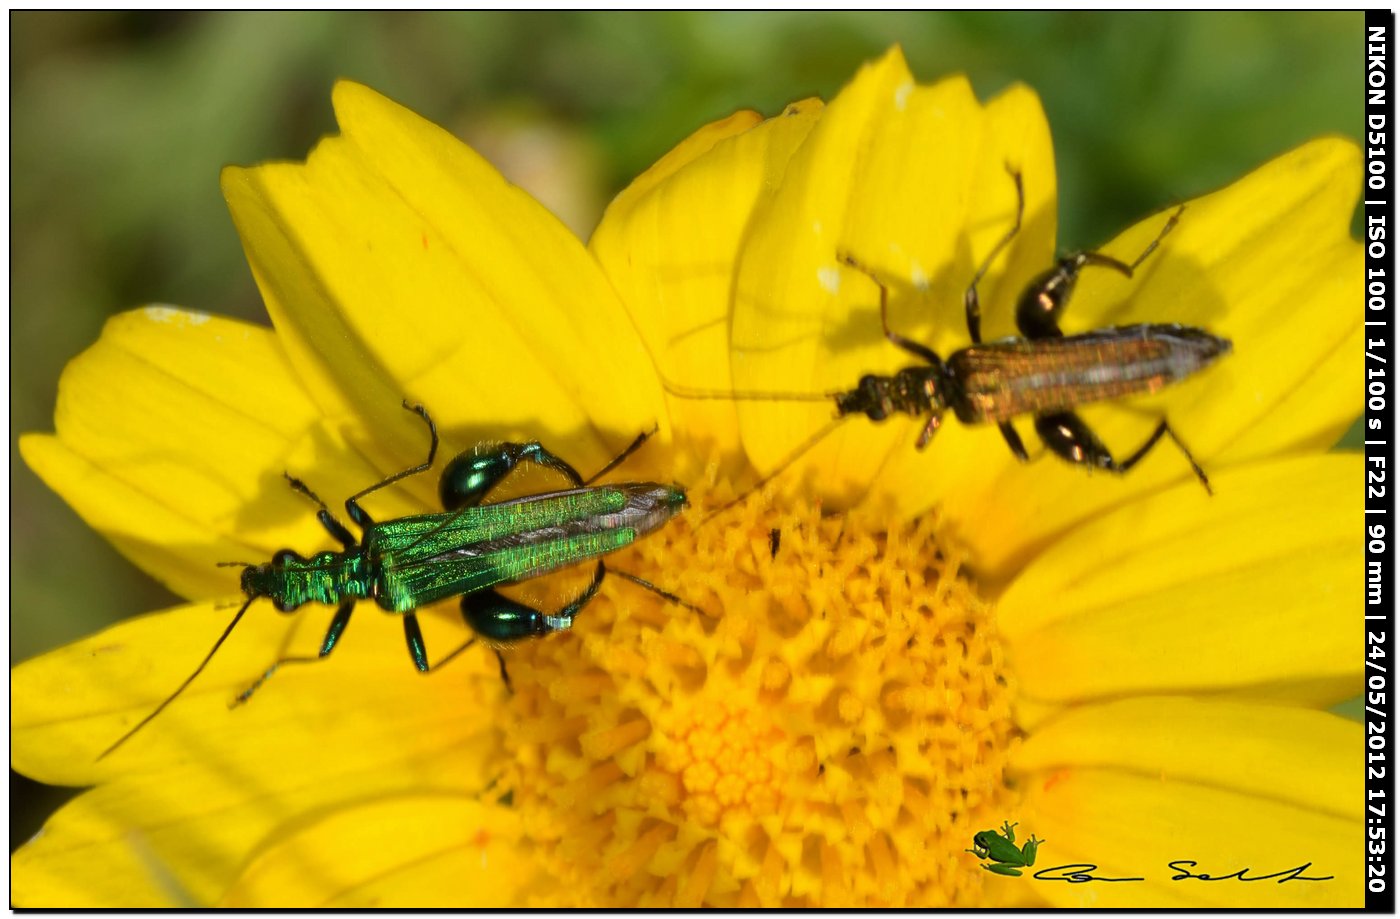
{"x":793,"y":456}
{"x":188,"y":680}
{"x":746,"y":395}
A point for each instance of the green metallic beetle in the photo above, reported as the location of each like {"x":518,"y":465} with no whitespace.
{"x":467,"y":551}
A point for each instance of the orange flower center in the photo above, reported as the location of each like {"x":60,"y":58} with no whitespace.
{"x":826,"y":721}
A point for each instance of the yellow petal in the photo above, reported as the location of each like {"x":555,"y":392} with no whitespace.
{"x":414,"y":852}
{"x":676,"y":160}
{"x":669,"y":244}
{"x":1268,"y":263}
{"x":1307,"y":758}
{"x":201,"y":784}
{"x":785,"y":297}
{"x":899,"y":177}
{"x":1128,"y":825}
{"x":1241,"y":593}
{"x":1286,"y":279}
{"x":1018,"y":135}
{"x":396,"y":262}
{"x":172,"y":432}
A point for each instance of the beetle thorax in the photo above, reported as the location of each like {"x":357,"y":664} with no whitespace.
{"x":257,"y":580}
{"x":916,"y":391}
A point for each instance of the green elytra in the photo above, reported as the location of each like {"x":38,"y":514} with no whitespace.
{"x":408,"y":562}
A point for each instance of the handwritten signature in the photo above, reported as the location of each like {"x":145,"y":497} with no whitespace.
{"x":1081,"y":873}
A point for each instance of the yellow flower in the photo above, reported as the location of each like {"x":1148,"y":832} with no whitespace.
{"x":1126,"y":668}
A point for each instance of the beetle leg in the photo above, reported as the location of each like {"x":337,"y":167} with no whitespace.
{"x":333,"y":526}
{"x":1070,"y":438}
{"x":502,"y":621}
{"x":352,"y":504}
{"x":616,"y":461}
{"x":500,"y":659}
{"x":1045,"y":298}
{"x":971,"y":304}
{"x":1165,"y":428}
{"x":333,"y":633}
{"x":470,"y":477}
{"x":1013,"y":440}
{"x":505,"y":675}
{"x":414,"y":634}
{"x":899,"y":341}
{"x":773,"y":537}
{"x":935,"y":421}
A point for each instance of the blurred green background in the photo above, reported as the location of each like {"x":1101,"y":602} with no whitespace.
{"x":121,"y":121}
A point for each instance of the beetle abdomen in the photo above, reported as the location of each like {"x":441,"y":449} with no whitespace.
{"x":1002,"y":379}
